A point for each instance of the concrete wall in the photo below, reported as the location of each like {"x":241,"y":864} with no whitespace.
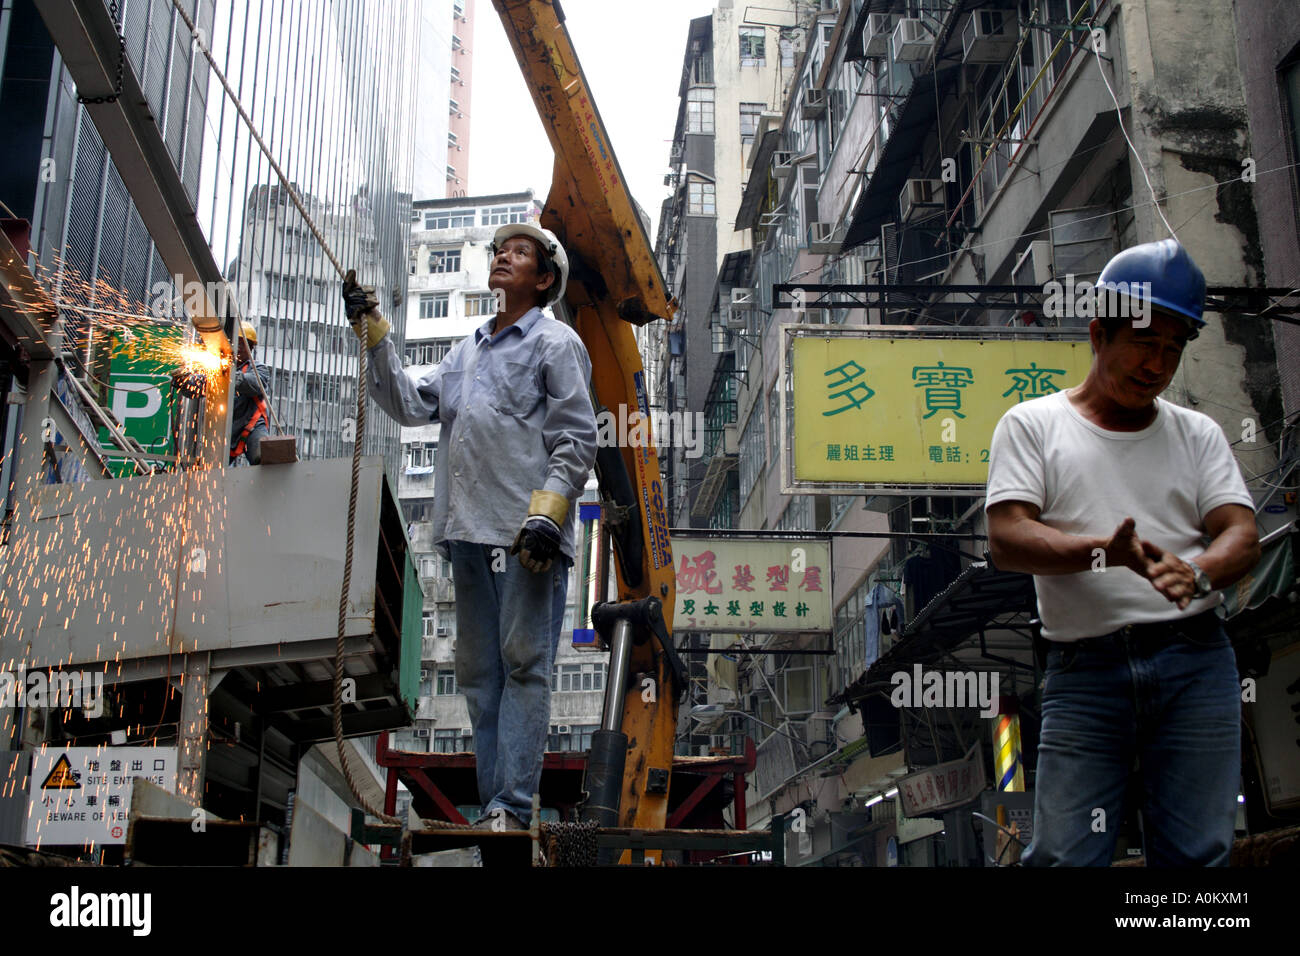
{"x":1267,"y":33}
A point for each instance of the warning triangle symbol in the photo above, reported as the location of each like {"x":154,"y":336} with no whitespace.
{"x":61,"y":776}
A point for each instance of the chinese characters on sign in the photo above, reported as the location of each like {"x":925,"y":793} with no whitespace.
{"x":752,"y":585}
{"x":911,"y":410}
{"x":82,"y":795}
{"x":943,"y":786}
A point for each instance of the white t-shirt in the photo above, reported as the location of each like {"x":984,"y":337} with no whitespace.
{"x":1086,"y":480}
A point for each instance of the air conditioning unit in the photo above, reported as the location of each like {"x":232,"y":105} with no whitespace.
{"x":880,"y":26}
{"x":734,"y":318}
{"x":987,"y":37}
{"x":920,"y":198}
{"x":442,"y":632}
{"x":1034,"y":267}
{"x":563,"y":729}
{"x":911,"y":41}
{"x":782,"y":163}
{"x":814,"y":103}
{"x":823,"y":238}
{"x":424,"y":673}
{"x":422,"y":732}
{"x":742,"y":298}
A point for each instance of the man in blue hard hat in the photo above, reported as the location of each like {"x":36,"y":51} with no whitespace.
{"x":1105,"y":493}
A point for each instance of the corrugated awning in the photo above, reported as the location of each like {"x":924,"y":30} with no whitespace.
{"x":756,"y":188}
{"x":969,"y":605}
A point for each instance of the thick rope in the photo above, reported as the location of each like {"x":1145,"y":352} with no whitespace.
{"x":360,"y":426}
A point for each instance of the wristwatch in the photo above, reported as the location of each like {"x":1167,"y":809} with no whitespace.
{"x":1203,"y":586}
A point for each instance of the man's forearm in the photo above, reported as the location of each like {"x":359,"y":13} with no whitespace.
{"x":1032,"y":547}
{"x":1230,"y":556}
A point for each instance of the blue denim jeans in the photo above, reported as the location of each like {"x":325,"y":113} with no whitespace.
{"x":1174,"y":706}
{"x":508,"y":625}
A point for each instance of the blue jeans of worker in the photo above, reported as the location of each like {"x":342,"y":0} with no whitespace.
{"x":1174,"y":706}
{"x":508,"y":623}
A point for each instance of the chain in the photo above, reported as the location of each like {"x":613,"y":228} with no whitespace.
{"x":121,"y":62}
{"x":570,"y":844}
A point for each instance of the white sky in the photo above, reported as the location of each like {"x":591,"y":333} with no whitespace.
{"x":631,"y":55}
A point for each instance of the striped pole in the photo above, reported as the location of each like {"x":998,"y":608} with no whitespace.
{"x":1006,"y":739}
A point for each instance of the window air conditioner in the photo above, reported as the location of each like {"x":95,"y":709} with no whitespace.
{"x":986,"y":38}
{"x":443,"y":632}
{"x":1034,"y":267}
{"x":920,"y":198}
{"x":782,"y":163}
{"x":734,"y":318}
{"x":911,"y":41}
{"x":742,"y":298}
{"x":424,"y":674}
{"x":563,"y":729}
{"x":880,"y":26}
{"x":422,"y":732}
{"x":823,"y":238}
{"x":814,"y":103}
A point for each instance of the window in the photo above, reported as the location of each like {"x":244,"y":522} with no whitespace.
{"x":749,"y":113}
{"x":786,"y":45}
{"x":456,"y":43}
{"x":504,"y":215}
{"x":433,"y":305}
{"x":446,"y":685}
{"x":452,"y":139}
{"x":480,"y":303}
{"x":451,"y":741}
{"x":752,"y":451}
{"x":428,"y":566}
{"x":449,"y":219}
{"x":699,"y":110}
{"x":444,"y":260}
{"x":451,"y":172}
{"x":429,"y":623}
{"x":455,"y":75}
{"x":1291,"y":101}
{"x":753,"y":44}
{"x":569,"y":678}
{"x":421,"y":454}
{"x":428,"y":353}
{"x":700,"y":199}
{"x":576,"y":738}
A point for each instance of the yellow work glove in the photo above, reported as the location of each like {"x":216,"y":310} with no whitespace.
{"x":538,"y":541}
{"x":360,"y":300}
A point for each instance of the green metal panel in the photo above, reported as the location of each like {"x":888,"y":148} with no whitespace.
{"x":408,"y":679}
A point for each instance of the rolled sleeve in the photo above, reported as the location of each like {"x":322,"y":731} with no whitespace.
{"x":408,"y":400}
{"x":1016,"y":467}
{"x":569,"y":425}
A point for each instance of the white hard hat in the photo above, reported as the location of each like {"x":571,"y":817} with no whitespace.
{"x":551,"y":245}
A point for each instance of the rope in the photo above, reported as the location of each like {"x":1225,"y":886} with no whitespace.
{"x":361,"y":419}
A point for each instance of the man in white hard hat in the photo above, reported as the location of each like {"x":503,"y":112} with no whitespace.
{"x":517,"y":445}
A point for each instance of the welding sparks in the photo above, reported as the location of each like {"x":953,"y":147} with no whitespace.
{"x":196,"y":358}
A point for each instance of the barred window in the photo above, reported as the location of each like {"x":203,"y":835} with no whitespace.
{"x":753,"y":46}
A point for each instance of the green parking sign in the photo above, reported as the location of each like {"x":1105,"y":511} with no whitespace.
{"x":140,"y":391}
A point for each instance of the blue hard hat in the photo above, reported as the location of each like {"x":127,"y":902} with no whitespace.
{"x":1177,"y":283}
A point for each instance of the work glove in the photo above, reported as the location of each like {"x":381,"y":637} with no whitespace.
{"x":189,"y":384}
{"x":538,"y":541}
{"x":358,"y":300}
